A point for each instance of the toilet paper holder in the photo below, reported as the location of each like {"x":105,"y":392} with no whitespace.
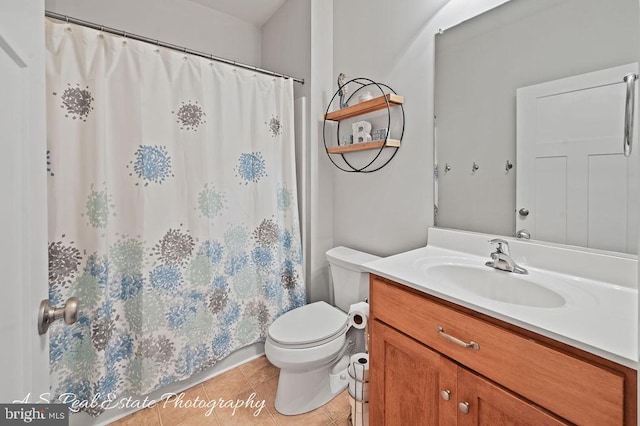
{"x":359,"y":404}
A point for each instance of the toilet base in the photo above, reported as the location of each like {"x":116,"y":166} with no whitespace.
{"x":301,"y":392}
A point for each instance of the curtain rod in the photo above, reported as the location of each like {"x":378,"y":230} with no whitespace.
{"x":143,"y":39}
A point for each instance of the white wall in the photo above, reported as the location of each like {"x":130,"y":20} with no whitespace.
{"x":179,"y":22}
{"x":388,"y":211}
{"x":286,"y":47}
{"x":298,"y":41}
{"x":286,"y":43}
{"x":321,"y":173}
{"x":638,"y":295}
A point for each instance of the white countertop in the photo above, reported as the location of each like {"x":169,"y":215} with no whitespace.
{"x":599,"y":317}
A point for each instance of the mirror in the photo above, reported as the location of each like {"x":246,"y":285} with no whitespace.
{"x":528,"y":75}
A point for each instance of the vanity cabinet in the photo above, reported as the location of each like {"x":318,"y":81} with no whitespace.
{"x":418,"y":386}
{"x":433,"y":362}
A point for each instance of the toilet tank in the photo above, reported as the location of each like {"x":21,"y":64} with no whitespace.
{"x":350,"y":281}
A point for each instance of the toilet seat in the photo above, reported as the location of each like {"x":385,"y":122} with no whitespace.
{"x":307,"y":326}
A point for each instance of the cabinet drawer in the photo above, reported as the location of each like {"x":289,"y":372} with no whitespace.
{"x":574,"y":389}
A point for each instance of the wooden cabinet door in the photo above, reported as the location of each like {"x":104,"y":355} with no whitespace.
{"x":406,"y":379}
{"x":490,"y":405}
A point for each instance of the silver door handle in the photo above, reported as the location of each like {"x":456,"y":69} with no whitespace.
{"x":471,"y":345}
{"x":630,"y":79}
{"x":47,"y":313}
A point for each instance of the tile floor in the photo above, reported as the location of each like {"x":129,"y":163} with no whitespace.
{"x":257,"y":376}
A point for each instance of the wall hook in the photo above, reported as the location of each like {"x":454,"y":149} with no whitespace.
{"x":447,"y":168}
{"x":508,"y":166}
{"x":475,"y":167}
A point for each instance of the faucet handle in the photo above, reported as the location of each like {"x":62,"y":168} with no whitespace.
{"x":503,"y":246}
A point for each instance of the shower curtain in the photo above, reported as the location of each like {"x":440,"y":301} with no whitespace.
{"x":172,"y":211}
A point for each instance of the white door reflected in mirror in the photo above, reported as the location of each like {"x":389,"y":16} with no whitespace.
{"x":573,"y":173}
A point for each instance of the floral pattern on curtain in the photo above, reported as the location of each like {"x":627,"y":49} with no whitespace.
{"x":172,"y":211}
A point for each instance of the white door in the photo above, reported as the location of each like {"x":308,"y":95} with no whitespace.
{"x":24,"y":364}
{"x":572,"y":178}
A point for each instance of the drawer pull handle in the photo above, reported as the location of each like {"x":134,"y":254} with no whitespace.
{"x":472,"y":345}
{"x":463,"y":407}
{"x":445,"y":394}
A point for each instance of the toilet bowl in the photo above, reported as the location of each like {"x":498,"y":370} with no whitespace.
{"x":309,"y":343}
{"x":305,"y":359}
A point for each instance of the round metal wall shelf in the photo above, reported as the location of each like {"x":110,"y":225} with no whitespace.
{"x":388,"y":99}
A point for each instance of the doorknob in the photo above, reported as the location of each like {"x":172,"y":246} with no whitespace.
{"x":47,"y":313}
{"x":523,"y":212}
{"x":463,"y":407}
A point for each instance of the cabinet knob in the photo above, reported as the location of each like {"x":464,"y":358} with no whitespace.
{"x":463,"y":407}
{"x":445,"y":394}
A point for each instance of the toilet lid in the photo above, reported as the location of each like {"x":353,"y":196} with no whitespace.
{"x":308,"y":324}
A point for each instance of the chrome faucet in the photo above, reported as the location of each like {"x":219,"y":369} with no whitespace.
{"x":501,"y":258}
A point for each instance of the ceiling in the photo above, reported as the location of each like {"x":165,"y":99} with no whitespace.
{"x":255,"y":11}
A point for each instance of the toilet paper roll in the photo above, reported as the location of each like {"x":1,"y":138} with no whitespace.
{"x":359,"y":389}
{"x":358,"y":315}
{"x":361,"y":415}
{"x":359,"y":376}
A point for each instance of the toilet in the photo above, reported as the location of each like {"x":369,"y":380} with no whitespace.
{"x":309,"y":343}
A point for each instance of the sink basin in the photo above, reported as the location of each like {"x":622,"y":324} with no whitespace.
{"x":497,"y":285}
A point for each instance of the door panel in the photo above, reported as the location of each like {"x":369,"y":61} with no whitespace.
{"x":490,"y":405}
{"x":412,"y":376}
{"x":551,"y":199}
{"x":24,"y":366}
{"x":572,"y":176}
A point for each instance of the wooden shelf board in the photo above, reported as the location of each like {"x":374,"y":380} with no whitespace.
{"x":371,"y":105}
{"x":363,"y":146}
